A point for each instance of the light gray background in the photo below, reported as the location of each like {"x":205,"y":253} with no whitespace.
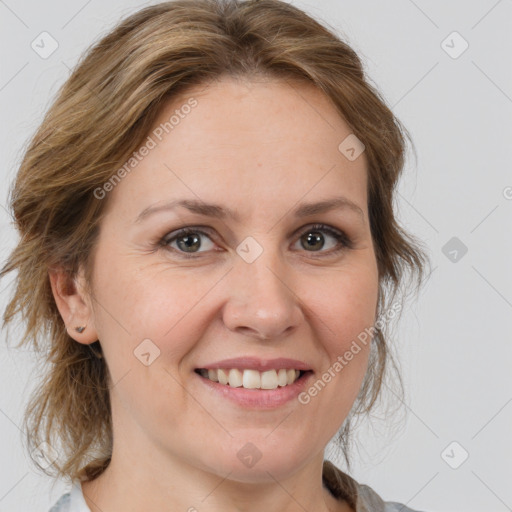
{"x":455,"y":340}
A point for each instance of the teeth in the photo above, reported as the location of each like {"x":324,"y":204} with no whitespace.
{"x":252,"y":379}
{"x":290,"y":375}
{"x":222,"y":375}
{"x":269,"y":380}
{"x":235,"y":378}
{"x":282,"y":378}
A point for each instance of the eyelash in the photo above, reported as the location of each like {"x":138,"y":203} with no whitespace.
{"x":344,"y":241}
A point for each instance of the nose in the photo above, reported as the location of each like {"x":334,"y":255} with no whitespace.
{"x":262,"y":302}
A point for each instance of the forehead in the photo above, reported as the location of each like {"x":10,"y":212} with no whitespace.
{"x":238,"y":108}
{"x":244,"y":140}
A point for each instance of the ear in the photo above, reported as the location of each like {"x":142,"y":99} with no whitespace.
{"x":74,"y":304}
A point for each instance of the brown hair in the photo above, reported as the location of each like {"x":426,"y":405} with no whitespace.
{"x":101,"y":115}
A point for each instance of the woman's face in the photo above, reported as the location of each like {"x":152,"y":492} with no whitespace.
{"x":252,"y":281}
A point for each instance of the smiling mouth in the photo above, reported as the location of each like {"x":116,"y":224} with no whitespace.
{"x":252,"y":379}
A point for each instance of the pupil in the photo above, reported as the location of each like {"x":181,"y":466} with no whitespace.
{"x":190,"y":242}
{"x":314,"y":237}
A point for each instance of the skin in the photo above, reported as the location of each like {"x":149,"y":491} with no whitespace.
{"x":259,"y":147}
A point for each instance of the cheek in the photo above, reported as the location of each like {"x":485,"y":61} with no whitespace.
{"x":346,"y":306}
{"x":344,"y":315}
{"x":151,"y":303}
{"x":137,"y":305}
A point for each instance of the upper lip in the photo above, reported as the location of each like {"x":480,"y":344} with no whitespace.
{"x":254,"y":363}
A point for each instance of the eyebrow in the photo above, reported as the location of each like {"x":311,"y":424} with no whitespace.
{"x":221,"y":212}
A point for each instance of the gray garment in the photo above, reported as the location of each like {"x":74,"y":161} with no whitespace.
{"x":360,"y":497}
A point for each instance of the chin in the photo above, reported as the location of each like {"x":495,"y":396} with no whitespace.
{"x":258,"y":461}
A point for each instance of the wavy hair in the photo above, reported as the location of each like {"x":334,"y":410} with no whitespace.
{"x":101,"y":115}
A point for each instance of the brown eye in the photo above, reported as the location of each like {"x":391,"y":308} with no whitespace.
{"x":188,"y":241}
{"x":314,"y":239}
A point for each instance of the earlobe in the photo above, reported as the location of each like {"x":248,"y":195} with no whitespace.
{"x":74,"y":306}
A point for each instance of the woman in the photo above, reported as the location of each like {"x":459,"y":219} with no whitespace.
{"x":208,"y":242}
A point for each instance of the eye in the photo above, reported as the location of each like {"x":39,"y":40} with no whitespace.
{"x":188,"y":241}
{"x":314,"y":238}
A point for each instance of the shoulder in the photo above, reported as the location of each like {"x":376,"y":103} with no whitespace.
{"x":369,"y":500}
{"x":361,"y":497}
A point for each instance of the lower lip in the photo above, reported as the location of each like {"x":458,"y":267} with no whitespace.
{"x":259,"y":398}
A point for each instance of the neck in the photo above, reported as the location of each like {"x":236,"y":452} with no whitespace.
{"x":180,"y":486}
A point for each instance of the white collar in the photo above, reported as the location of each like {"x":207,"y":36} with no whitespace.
{"x":77,"y":500}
